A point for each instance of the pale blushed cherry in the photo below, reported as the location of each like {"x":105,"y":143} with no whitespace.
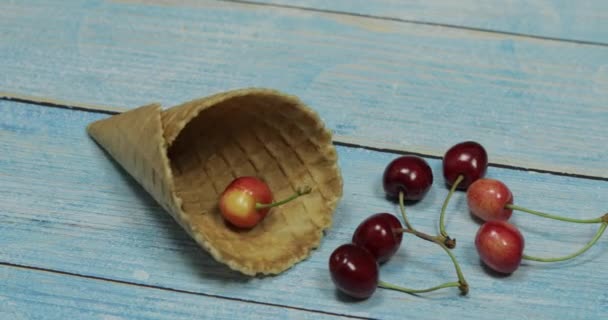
{"x":500,"y":246}
{"x":488,"y":200}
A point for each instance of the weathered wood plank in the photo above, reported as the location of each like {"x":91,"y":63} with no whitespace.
{"x":534,"y":104}
{"x":31,"y":294}
{"x":65,"y":206}
{"x":585,"y":21}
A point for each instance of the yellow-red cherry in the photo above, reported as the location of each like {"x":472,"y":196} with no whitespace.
{"x":239,"y":201}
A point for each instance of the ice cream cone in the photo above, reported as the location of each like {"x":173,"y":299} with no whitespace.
{"x":186,"y":155}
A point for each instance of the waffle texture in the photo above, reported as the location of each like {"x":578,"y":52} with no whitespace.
{"x":185,"y":156}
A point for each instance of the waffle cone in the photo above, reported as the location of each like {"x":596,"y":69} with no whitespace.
{"x":186,"y":155}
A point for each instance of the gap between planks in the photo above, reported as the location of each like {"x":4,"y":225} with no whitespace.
{"x":418,"y":22}
{"x":337,"y":139}
{"x":128,"y":283}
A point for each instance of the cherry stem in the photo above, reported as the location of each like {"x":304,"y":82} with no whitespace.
{"x":299,"y":192}
{"x":387,"y":285}
{"x":402,"y":208}
{"x":555,"y":217}
{"x":597,"y":236}
{"x":449,"y":242}
{"x":463,"y":285}
{"x":417,"y":233}
{"x":440,"y":240}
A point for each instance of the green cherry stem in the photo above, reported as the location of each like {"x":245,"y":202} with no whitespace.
{"x":597,"y":236}
{"x":462,"y":283}
{"x":439,"y":240}
{"x":387,"y":285}
{"x":552,"y":216}
{"x":299,"y":192}
{"x":449,"y":242}
{"x":403,"y":214}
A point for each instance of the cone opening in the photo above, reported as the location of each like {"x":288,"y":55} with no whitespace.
{"x":276,"y":139}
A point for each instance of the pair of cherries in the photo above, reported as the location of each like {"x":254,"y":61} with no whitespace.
{"x":354,"y":267}
{"x":499,"y":243}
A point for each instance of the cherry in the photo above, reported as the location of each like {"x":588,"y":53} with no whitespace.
{"x":467,"y":159}
{"x":488,"y":199}
{"x":247,"y":200}
{"x":491,"y":199}
{"x":500,"y":246}
{"x":380,"y":235}
{"x":463,"y":164}
{"x":410,"y":175}
{"x":407,"y":178}
{"x":354,"y":271}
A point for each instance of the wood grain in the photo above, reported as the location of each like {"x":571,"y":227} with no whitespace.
{"x":34,"y":294}
{"x":533,"y":104}
{"x":585,"y":21}
{"x":64,"y":205}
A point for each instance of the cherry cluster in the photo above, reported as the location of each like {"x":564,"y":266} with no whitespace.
{"x":354,"y":267}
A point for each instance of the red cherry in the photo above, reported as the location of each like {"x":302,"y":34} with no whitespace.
{"x":354,"y":271}
{"x":376,"y":234}
{"x":487,"y":199}
{"x":500,"y":246}
{"x":468,"y":159}
{"x":408,"y":174}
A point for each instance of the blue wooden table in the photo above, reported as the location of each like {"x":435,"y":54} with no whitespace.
{"x":528,"y":79}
